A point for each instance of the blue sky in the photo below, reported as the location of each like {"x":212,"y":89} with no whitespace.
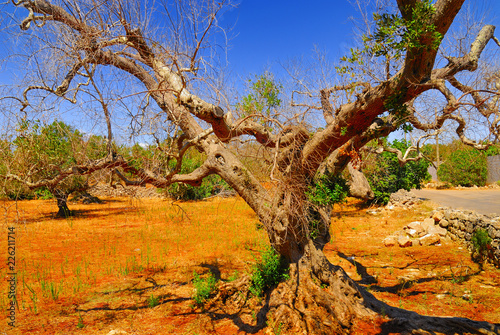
{"x":270,"y":31}
{"x":266,"y":32}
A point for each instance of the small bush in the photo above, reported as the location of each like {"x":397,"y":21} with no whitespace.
{"x":153,"y":301}
{"x":268,"y":272}
{"x":387,"y":176}
{"x":467,"y":168}
{"x":480,"y":242}
{"x":328,"y":190}
{"x":204,"y":287}
{"x":43,"y":193}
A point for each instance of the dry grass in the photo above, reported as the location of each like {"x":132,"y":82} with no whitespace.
{"x":96,"y":272}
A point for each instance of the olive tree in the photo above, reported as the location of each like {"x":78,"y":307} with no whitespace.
{"x":41,"y":156}
{"x":167,"y":66}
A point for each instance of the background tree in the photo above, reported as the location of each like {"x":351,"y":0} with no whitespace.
{"x":466,"y":167}
{"x":112,"y":41}
{"x":387,"y":173}
{"x":44,"y":152}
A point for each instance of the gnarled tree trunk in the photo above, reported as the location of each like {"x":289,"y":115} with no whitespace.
{"x":320,"y":298}
{"x":62,"y":203}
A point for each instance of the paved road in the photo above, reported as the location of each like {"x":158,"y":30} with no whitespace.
{"x":481,"y":201}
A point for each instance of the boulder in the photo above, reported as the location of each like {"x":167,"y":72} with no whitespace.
{"x":390,"y":241}
{"x":359,"y":187}
{"x":438,"y":216}
{"x":428,"y":224}
{"x":444,"y":223}
{"x":415,"y":225}
{"x":438,"y":230}
{"x":404,"y":242}
{"x":429,"y":239}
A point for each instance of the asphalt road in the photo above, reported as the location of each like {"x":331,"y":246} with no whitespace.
{"x":481,"y":201}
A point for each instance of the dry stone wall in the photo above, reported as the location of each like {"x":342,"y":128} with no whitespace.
{"x":461,"y":225}
{"x":443,"y":223}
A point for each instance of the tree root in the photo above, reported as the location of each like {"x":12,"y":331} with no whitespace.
{"x":319,"y":300}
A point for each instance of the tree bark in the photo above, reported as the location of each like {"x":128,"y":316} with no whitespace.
{"x":62,"y":203}
{"x":320,"y":298}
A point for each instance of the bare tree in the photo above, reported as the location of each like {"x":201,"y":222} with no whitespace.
{"x":113,"y":37}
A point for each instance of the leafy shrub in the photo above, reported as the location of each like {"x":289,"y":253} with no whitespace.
{"x":204,"y":287}
{"x":43,"y":193}
{"x":387,"y":176}
{"x":480,"y":242}
{"x":467,"y":167}
{"x":328,"y":190}
{"x":268,"y":272}
{"x":153,"y":301}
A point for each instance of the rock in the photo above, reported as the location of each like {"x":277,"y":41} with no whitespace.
{"x":438,"y":216}
{"x":359,"y":187}
{"x":390,"y":241}
{"x":427,"y":224}
{"x":373,"y":212}
{"x":412,"y":232}
{"x":404,"y":242}
{"x":415,"y":225}
{"x":438,"y":230}
{"x":444,"y":223}
{"x":117,"y":332}
{"x":429,"y":239}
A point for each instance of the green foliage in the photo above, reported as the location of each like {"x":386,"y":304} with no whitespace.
{"x":395,"y":35}
{"x":41,"y":152}
{"x":268,"y":272}
{"x":387,"y":176}
{"x":43,"y":193}
{"x":153,"y":301}
{"x":80,"y":324}
{"x":204,"y":287}
{"x":466,"y":167}
{"x":480,"y":242}
{"x":328,"y":190}
{"x":493,"y":150}
{"x":264,"y":97}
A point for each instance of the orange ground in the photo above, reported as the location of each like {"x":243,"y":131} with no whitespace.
{"x":94,"y":273}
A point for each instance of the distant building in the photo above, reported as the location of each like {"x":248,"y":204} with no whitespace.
{"x":493,"y":169}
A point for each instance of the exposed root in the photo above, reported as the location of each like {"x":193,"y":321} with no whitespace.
{"x":320,"y":298}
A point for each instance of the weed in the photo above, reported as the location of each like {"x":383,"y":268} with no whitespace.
{"x":53,"y":291}
{"x":457,"y":279}
{"x":480,"y":243}
{"x":80,"y":323}
{"x":404,"y":284}
{"x":268,"y":272}
{"x":233,"y":276}
{"x":204,"y":287}
{"x":153,"y":301}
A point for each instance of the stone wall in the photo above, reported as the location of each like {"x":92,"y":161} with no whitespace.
{"x":461,"y":225}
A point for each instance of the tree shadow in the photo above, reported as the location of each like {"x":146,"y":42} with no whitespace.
{"x":367,"y":279}
{"x":408,"y":322}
